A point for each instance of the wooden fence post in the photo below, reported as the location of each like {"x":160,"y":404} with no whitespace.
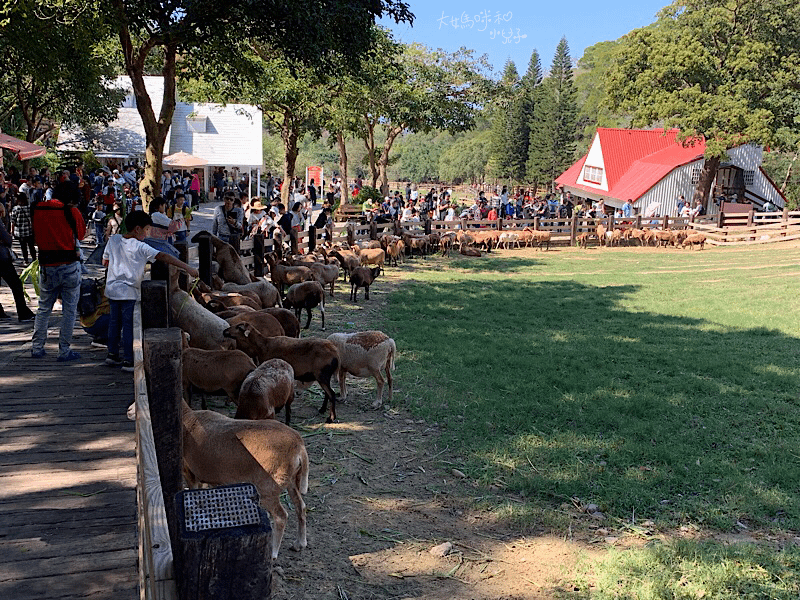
{"x":224,"y":562}
{"x":312,"y":238}
{"x":666,"y":222}
{"x":426,"y":226}
{"x":785,"y":214}
{"x":234,"y":240}
{"x":573,"y":230}
{"x":351,"y":234}
{"x":155,"y":304}
{"x":373,"y":230}
{"x":183,"y":254}
{"x":258,"y":255}
{"x":499,"y":223}
{"x":720,"y":219}
{"x":162,"y":367}
{"x":204,"y":254}
{"x":612,"y":222}
{"x":464,"y":225}
{"x":750,"y":218}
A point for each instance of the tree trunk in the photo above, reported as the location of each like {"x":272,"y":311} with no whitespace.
{"x":155,"y":129}
{"x":289,"y":134}
{"x":369,"y":142}
{"x":345,"y":199}
{"x":788,"y":173}
{"x":384,"y":161}
{"x":707,"y":176}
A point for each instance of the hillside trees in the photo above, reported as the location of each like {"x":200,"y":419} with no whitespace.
{"x":721,"y":69}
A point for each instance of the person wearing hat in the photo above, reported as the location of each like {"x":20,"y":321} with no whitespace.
{"x":182,"y":215}
{"x":257,"y":214}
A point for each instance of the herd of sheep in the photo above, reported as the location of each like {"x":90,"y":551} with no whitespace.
{"x":242,"y":337}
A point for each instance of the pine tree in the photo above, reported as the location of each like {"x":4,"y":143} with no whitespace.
{"x":502,"y":153}
{"x":552,"y":138}
{"x":524,"y":106}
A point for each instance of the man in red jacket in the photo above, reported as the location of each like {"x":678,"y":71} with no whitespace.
{"x":58,"y":228}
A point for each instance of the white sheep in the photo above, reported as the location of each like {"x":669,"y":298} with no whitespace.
{"x":365,"y":354}
{"x":204,"y":327}
{"x":218,"y":450}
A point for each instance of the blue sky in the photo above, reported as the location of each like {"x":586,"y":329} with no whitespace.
{"x":515,"y":28}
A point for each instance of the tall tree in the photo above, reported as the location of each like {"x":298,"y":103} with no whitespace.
{"x":552,"y":140}
{"x":590,"y":76}
{"x":433,"y":90}
{"x":525,"y":107}
{"x":331,"y":34}
{"x":62,"y":78}
{"x":505,"y":122}
{"x":723,"y":70}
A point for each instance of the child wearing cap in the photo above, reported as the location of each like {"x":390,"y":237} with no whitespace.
{"x":126,"y":256}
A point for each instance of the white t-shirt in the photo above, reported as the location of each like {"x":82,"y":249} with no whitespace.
{"x":126,"y":258}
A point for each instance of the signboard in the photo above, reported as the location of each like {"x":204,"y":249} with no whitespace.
{"x":316,"y":174}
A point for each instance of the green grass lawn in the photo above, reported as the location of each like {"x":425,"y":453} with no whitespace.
{"x":656,"y":384}
{"x":664,"y":383}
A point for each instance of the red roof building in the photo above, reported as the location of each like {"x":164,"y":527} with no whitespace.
{"x":650,"y":165}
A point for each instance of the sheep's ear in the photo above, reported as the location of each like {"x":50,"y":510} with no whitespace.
{"x":247,"y":332}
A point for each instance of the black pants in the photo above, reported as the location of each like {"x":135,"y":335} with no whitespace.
{"x":9,"y":274}
{"x":26,"y":243}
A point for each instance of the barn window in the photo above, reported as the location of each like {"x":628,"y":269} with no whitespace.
{"x":695,"y":176}
{"x":593,"y":174}
{"x":749,"y":178}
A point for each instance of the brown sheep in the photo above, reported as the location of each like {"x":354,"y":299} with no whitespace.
{"x":213,"y":370}
{"x":218,"y":450}
{"x":374,"y":256}
{"x":284,"y":275}
{"x":542,"y":238}
{"x":467,"y":251}
{"x":583,"y":239}
{"x":230,"y":263}
{"x":695,"y":239}
{"x":326,"y":274}
{"x":312,"y":359}
{"x":308,"y":295}
{"x":362,"y":277}
{"x":600,"y":231}
{"x":290,"y":323}
{"x":267,"y":324}
{"x":266,"y":390}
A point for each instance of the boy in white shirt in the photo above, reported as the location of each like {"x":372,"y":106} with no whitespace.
{"x":126,"y":256}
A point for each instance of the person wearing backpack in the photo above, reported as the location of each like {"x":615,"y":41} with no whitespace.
{"x":58,"y":228}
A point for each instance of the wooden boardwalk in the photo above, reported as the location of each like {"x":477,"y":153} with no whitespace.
{"x":67,"y":472}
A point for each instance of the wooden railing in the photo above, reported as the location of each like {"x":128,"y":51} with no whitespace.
{"x":156,"y":574}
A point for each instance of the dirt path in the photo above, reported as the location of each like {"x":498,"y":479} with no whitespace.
{"x":382,"y":493}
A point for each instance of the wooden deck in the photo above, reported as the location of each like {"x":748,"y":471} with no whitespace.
{"x":67,"y":472}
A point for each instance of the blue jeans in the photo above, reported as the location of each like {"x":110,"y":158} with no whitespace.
{"x":99,"y":233}
{"x":66,"y":281}
{"x":121,"y":319}
{"x":180,"y":236}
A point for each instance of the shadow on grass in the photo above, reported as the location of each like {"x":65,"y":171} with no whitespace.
{"x":494,"y":262}
{"x":552,"y":390}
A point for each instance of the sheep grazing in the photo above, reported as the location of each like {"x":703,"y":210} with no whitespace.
{"x":290,"y":323}
{"x":213,"y":370}
{"x":467,"y":251}
{"x":308,"y":295}
{"x":267,"y":324}
{"x":678,"y":236}
{"x":265,"y":390}
{"x":448,"y":241}
{"x":365,"y":354}
{"x":695,"y":239}
{"x":266,"y":292}
{"x":362,"y":277}
{"x":348,"y":260}
{"x":663,"y":237}
{"x":326,"y":274}
{"x":282,"y":275}
{"x":583,"y":239}
{"x":230,"y":264}
{"x":375,"y":256}
{"x":312,"y":359}
{"x":485,"y":239}
{"x":218,"y":450}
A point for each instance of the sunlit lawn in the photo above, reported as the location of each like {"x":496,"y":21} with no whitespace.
{"x":656,"y":384}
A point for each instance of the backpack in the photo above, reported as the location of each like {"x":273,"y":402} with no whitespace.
{"x":91,"y":295}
